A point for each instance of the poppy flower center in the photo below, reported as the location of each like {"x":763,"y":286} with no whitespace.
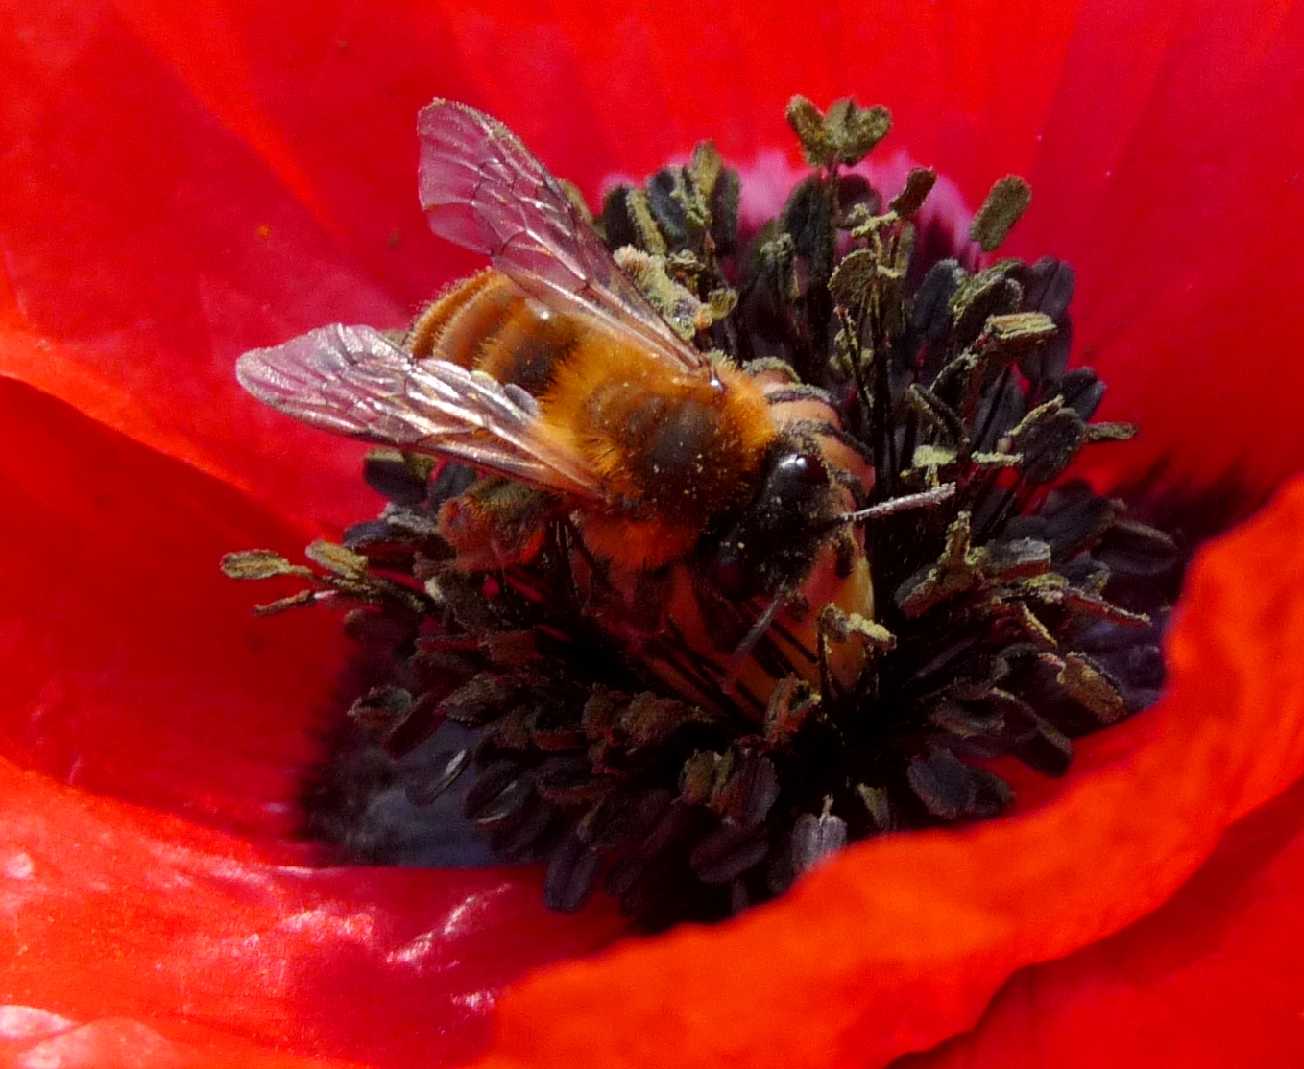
{"x":876,"y":582}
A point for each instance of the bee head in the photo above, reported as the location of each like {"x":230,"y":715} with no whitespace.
{"x":771,"y":540}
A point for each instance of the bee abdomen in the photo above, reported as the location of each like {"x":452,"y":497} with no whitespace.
{"x":430,"y":333}
{"x":486,"y":322}
{"x":528,"y":348}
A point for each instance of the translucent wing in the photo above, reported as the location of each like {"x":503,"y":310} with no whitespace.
{"x":482,"y":189}
{"x":355,"y":381}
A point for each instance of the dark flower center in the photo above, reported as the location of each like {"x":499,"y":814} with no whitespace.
{"x":1014,"y":609}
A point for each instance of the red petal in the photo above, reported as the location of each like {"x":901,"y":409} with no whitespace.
{"x":897,"y":943}
{"x":1212,"y":979}
{"x":145,"y":926}
{"x":30,"y":1037}
{"x":1171,"y":181}
{"x":135,"y":668}
{"x":146,"y":245}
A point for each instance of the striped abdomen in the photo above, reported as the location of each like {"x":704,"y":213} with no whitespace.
{"x":485,"y":322}
{"x":670,"y":446}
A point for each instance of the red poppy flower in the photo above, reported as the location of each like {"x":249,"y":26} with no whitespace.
{"x":179,"y":186}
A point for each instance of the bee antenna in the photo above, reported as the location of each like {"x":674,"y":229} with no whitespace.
{"x":904,"y":503}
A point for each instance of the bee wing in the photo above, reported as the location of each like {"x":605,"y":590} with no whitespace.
{"x":355,"y":381}
{"x":484,"y":190}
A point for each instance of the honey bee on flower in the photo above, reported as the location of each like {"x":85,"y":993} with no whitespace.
{"x":551,"y":369}
{"x":724,"y":552}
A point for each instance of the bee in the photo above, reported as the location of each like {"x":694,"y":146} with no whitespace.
{"x":719,"y":489}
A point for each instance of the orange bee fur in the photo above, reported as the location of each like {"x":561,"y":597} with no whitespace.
{"x":674,"y":449}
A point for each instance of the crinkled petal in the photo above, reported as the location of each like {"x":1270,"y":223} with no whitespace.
{"x":1211,"y":979}
{"x":133,"y":934}
{"x":33,"y":1037}
{"x":897,"y":943}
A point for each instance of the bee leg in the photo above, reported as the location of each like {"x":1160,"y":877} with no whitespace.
{"x":830,"y":688}
{"x":753,"y":636}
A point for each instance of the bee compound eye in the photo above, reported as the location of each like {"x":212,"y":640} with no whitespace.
{"x":807,"y":467}
{"x":796,"y":472}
